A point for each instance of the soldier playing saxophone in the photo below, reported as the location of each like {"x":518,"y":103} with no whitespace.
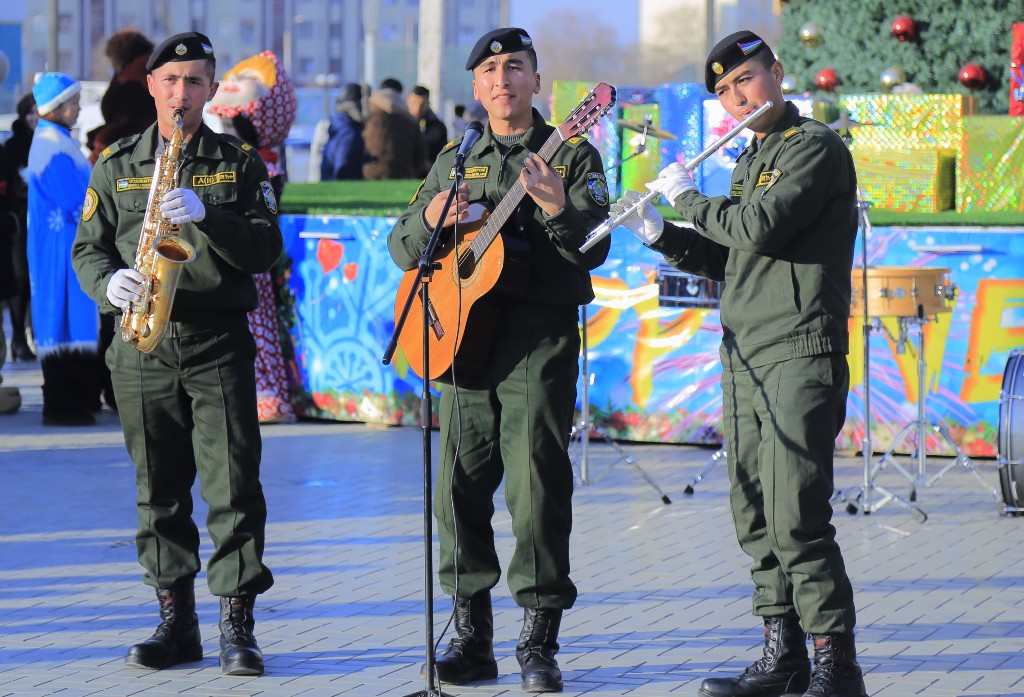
{"x":188,"y":406}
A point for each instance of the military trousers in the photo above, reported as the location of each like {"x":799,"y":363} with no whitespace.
{"x":512,"y":422}
{"x":781,"y":422}
{"x":189,"y":407}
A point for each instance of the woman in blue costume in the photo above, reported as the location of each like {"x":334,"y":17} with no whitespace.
{"x":64,"y":319}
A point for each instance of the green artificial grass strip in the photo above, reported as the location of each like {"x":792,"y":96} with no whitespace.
{"x":390,"y":198}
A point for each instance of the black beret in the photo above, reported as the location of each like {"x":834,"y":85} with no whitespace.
{"x":497,"y":42}
{"x":729,"y":53}
{"x":189,"y":46}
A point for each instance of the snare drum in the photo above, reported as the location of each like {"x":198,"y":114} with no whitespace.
{"x":1011,"y":434}
{"x":899,"y":291}
{"x":679,"y":289}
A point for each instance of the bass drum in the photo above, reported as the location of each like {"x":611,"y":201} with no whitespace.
{"x":1011,"y":434}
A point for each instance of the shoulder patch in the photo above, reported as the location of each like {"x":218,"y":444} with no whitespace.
{"x":268,"y":196}
{"x":598,"y":188}
{"x":790,"y":133}
{"x":449,"y":145}
{"x":121,"y":144}
{"x":576,"y":140}
{"x":418,"y":190}
{"x":90,"y":204}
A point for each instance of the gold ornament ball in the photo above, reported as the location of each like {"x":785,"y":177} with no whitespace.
{"x":810,"y":34}
{"x":892,"y":76}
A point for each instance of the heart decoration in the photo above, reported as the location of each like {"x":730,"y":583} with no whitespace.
{"x":351,"y":270}
{"x":329,"y":254}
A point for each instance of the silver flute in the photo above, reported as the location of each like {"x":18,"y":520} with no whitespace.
{"x":605,"y":228}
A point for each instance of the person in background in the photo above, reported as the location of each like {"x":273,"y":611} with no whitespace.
{"x":392,"y":137}
{"x":126,"y":106}
{"x":391,"y":83}
{"x":10,"y":397}
{"x":512,"y":421}
{"x":344,"y":153}
{"x":434,"y":132}
{"x":783,"y":243}
{"x":16,"y":149}
{"x":188,"y":406}
{"x":65,"y":321}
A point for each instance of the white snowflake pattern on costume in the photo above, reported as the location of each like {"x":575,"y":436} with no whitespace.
{"x":55,"y":220}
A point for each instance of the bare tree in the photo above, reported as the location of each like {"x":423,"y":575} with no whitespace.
{"x":573,"y":45}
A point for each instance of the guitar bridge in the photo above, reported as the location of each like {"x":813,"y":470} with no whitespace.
{"x":433,"y":321}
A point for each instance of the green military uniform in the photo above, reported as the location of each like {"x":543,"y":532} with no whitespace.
{"x":514,"y":419}
{"x":190,"y":404}
{"x":783,"y":243}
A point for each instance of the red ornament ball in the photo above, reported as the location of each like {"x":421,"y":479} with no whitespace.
{"x":827,"y":79}
{"x":972,"y":76}
{"x":904,"y":28}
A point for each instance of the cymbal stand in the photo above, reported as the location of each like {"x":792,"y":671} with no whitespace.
{"x":581,"y":431}
{"x":641,"y":147}
{"x":922,"y":424}
{"x":861,"y":498}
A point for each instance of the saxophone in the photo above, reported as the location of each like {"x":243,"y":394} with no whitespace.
{"x":161,"y":254}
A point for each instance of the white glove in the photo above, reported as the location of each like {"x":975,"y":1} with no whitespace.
{"x":646,"y":222}
{"x":673,"y":181}
{"x":182,"y":206}
{"x":125,"y":287}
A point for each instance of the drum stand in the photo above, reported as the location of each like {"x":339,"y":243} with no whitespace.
{"x":581,"y":431}
{"x":719,"y":454}
{"x":920,"y":427}
{"x":862,"y":497}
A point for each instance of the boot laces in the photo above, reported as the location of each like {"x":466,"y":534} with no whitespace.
{"x":237,"y":623}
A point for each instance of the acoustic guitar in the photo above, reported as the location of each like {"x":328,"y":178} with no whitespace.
{"x":477,"y":269}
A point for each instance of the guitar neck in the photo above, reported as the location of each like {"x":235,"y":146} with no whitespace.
{"x":509,"y":203}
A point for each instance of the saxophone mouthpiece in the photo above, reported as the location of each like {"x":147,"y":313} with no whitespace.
{"x":179,"y":114}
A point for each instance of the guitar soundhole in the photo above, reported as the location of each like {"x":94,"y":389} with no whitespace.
{"x":467,"y":266}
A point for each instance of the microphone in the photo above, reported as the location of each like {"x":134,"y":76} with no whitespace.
{"x":473,"y":132}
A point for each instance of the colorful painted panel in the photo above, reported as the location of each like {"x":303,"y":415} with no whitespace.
{"x":653,"y":337}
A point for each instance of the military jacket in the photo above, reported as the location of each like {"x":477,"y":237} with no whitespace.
{"x":238,"y":237}
{"x":559,"y":272}
{"x":782,"y":241}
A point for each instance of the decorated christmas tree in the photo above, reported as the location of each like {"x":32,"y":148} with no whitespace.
{"x":934,"y":46}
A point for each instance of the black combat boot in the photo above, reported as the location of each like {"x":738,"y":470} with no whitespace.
{"x":470,"y":654}
{"x":538,"y":644}
{"x":176,"y":640}
{"x":836,"y":671}
{"x":239,"y":654}
{"x":784,"y":669}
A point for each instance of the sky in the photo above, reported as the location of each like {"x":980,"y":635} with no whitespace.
{"x":622,"y":14}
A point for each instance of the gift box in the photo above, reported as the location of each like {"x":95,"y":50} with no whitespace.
{"x":906,"y":179}
{"x":908,"y":121}
{"x":991,"y":164}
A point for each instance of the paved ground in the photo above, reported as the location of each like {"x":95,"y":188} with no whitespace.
{"x":664,"y":592}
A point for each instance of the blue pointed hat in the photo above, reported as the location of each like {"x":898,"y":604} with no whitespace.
{"x":53,"y":89}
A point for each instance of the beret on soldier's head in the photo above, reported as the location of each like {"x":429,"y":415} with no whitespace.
{"x":729,"y":53}
{"x":497,"y":42}
{"x":188,"y":46}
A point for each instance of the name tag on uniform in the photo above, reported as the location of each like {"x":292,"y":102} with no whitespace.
{"x":133,"y":183}
{"x":211,"y":179}
{"x":478,"y":172}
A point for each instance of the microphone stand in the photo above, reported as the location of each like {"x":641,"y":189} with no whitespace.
{"x":426,"y":268}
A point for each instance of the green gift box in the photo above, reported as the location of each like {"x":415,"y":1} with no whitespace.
{"x":991,"y":163}
{"x":906,"y":179}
